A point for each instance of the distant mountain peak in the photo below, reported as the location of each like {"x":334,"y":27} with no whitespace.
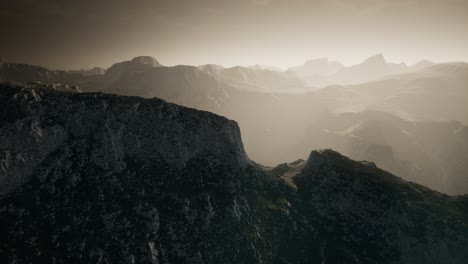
{"x":317,"y":67}
{"x":211,"y":68}
{"x":147,"y":60}
{"x":379,"y":58}
{"x":318,"y":60}
{"x":264,"y":67}
{"x":136,"y":65}
{"x":422,"y":64}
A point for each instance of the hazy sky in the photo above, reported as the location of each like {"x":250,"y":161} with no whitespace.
{"x":80,"y":34}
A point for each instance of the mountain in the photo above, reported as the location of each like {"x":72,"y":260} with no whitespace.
{"x":338,"y":198}
{"x":430,"y":153}
{"x":322,"y":72}
{"x":414,"y":95}
{"x":421,"y":65}
{"x":264,"y":67}
{"x":146,"y":60}
{"x":91,"y":72}
{"x":321,"y":66}
{"x":371,"y":69}
{"x":90,"y":177}
{"x":134,"y":66}
{"x":315,"y":71}
{"x":259,"y":79}
{"x":284,"y":126}
{"x":429,"y":104}
{"x":10,"y":71}
{"x":185,"y":85}
{"x":211,"y":68}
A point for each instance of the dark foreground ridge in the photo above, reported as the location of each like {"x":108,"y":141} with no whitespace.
{"x":94,"y":178}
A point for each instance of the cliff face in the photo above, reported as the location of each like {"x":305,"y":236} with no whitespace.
{"x":101,"y":178}
{"x":117,"y":128}
{"x":94,"y":178}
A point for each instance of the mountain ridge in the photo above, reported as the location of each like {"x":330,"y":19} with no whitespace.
{"x":268,"y":132}
{"x":130,"y":179}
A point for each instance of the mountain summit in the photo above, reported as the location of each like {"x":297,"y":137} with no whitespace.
{"x":371,"y":69}
{"x":378,"y":58}
{"x":314,"y":70}
{"x":148,"y":60}
{"x":137,"y":65}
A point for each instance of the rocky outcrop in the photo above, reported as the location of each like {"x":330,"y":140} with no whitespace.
{"x":94,"y":178}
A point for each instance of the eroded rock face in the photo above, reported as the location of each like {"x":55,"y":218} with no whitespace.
{"x":94,"y":178}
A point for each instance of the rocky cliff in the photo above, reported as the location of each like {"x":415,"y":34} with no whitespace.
{"x":94,"y":178}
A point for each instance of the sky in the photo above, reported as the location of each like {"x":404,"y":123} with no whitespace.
{"x":64,"y":34}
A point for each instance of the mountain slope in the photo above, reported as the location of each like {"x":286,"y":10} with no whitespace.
{"x":114,"y":179}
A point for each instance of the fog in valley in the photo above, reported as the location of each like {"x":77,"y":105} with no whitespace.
{"x":409,"y":120}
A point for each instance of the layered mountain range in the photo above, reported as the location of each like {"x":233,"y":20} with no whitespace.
{"x":414,"y":117}
{"x":322,"y":72}
{"x":100,"y":178}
